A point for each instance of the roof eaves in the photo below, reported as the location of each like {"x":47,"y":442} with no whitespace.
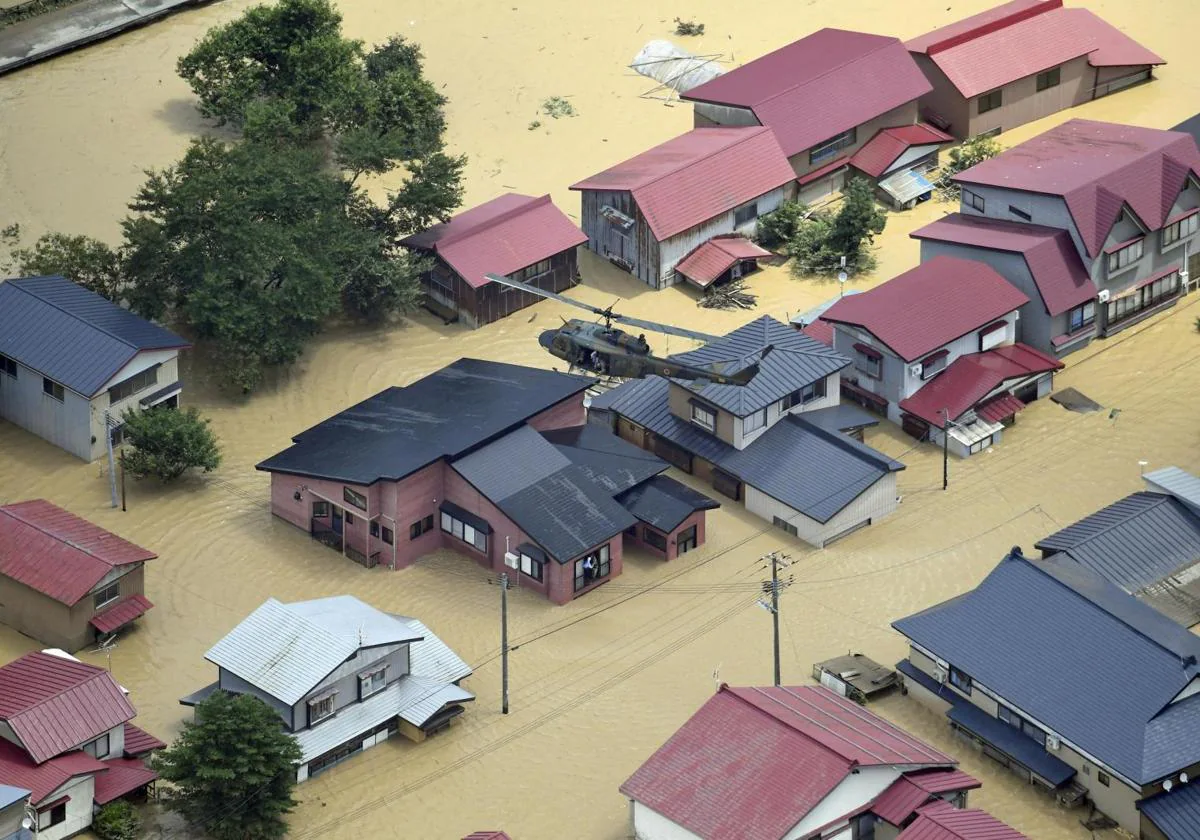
{"x":747,"y":135}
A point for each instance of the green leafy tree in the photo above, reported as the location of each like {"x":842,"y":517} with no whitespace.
{"x":973,"y":151}
{"x":822,"y":239}
{"x":118,"y":820}
{"x":858,"y":221}
{"x":87,"y":261}
{"x":232,"y":770}
{"x":167,"y":442}
{"x":429,"y":196}
{"x":780,"y":225}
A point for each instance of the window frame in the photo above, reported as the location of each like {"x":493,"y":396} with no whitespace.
{"x":652,"y":538}
{"x":1191,"y":219}
{"x":741,"y":218}
{"x":373,"y":528}
{"x":57,"y":815}
{"x":321,"y":504}
{"x":1019,"y":213}
{"x":134,"y":384}
{"x":353,"y":497}
{"x":700,"y":409}
{"x":97,"y":604}
{"x":863,"y":352}
{"x":94,"y":751}
{"x":369,"y":675}
{"x":1102,"y":777}
{"x":54,"y":390}
{"x":1048,"y":79}
{"x":603,"y":564}
{"x":929,"y":366}
{"x":829,"y":148}
{"x":811,"y":392}
{"x":990,"y":330}
{"x":1119,"y":259}
{"x":976,"y":201}
{"x":961,"y":680}
{"x":458,"y":529}
{"x":784,"y":525}
{"x":8,"y":366}
{"x":1084,"y":320}
{"x":530,"y":566}
{"x":760,"y":418}
{"x":320,"y":700}
{"x":987,"y":99}
{"x":387,"y":535}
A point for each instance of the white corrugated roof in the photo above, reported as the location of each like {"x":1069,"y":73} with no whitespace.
{"x":421,"y":698}
{"x":432,"y":657}
{"x":1179,"y":483}
{"x":355,"y":719}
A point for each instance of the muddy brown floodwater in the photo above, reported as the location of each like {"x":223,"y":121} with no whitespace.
{"x":599,"y":684}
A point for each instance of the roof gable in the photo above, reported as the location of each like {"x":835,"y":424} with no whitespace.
{"x":929,"y":306}
{"x":939,"y":820}
{"x":72,"y":335}
{"x":697,"y":176}
{"x":43,"y":779}
{"x":815,"y":88}
{"x":997,"y":633}
{"x":57,"y":553}
{"x":56,"y":705}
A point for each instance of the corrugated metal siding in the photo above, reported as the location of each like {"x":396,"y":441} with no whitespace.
{"x":873,"y":504}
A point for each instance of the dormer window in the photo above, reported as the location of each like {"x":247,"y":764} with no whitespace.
{"x":1125,"y":254}
{"x":704,"y":417}
{"x":371,"y":682}
{"x":320,"y":707}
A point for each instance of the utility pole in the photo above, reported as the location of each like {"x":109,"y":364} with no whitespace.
{"x":504,"y":639}
{"x":775,"y":609}
{"x":122,"y":481}
{"x":945,"y":449}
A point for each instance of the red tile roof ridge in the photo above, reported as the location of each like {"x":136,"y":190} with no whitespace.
{"x":493,"y":221}
{"x":11,"y":510}
{"x":1024,"y":13}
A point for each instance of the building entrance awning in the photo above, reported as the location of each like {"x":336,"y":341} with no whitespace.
{"x":128,"y":609}
{"x":906,"y":186}
{"x":1012,"y":743}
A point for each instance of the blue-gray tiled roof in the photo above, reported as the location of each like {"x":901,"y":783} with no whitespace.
{"x":71,"y":335}
{"x":664,"y":503}
{"x":794,"y":362}
{"x":444,"y":415}
{"x":1177,"y":814}
{"x":1066,"y":647}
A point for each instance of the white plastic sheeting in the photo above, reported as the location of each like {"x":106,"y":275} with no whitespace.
{"x":674,"y":68}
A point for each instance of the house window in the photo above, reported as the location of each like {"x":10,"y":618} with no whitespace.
{"x":349,"y":518}
{"x":320,"y":509}
{"x":531,"y":566}
{"x":1147,"y":296}
{"x":704,"y":417}
{"x":1082,"y":316}
{"x":1102,"y":778}
{"x":107,"y":595}
{"x":374,"y":528}
{"x":54,"y":816}
{"x":934,"y":364}
{"x":805,"y":395}
{"x":388,"y":536}
{"x":355,"y":498}
{"x":8,"y":366}
{"x":745,"y":214}
{"x":1019,"y":213}
{"x":1125,"y":255}
{"x":116,"y":435}
{"x":960,"y":680}
{"x":320,"y":708}
{"x":863,"y":827}
{"x":754,"y":422}
{"x":371,"y":682}
{"x":784,"y":525}
{"x":1049,"y":79}
{"x":831,"y":147}
{"x":1171,"y":234}
{"x":654,"y":539}
{"x":980,"y":445}
{"x":97,"y":748}
{"x":137,"y":382}
{"x":592,"y":568}
{"x":992,"y":335}
{"x":868,"y":361}
{"x":52,"y":389}
{"x":422,"y":526}
{"x":1022,"y":725}
{"x":469,"y":534}
{"x":973,"y":200}
{"x":990,"y":101}
{"x":529,"y":273}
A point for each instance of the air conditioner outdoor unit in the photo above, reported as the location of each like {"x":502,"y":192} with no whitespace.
{"x":511,"y":560}
{"x":939,"y":675}
{"x":1103,"y":296}
{"x":1052,"y":742}
{"x":915,"y":370}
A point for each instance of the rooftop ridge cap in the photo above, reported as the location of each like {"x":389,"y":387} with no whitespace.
{"x":7,"y":509}
{"x":748,"y":132}
{"x":840,"y":440}
{"x":71,"y":314}
{"x":507,"y":215}
{"x":890,"y":40}
{"x":982,"y":29}
{"x":734,"y":691}
{"x":817,"y":723}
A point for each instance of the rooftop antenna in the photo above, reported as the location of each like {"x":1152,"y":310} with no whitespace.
{"x":361,"y":636}
{"x":716,"y":675}
{"x":106,"y":646}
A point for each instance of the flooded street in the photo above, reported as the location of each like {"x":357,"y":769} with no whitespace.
{"x":599,"y":684}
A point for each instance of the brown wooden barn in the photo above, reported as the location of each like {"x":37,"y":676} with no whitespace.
{"x":519,"y":236}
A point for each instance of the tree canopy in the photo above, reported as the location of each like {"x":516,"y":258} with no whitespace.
{"x":823,"y":238}
{"x":167,"y":442}
{"x":232,"y":770}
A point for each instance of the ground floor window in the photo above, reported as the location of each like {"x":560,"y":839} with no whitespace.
{"x":320,"y":510}
{"x":388,"y":536}
{"x":1020,"y":724}
{"x":471,"y":535}
{"x":686,"y":540}
{"x":421,"y":526}
{"x":334,"y":756}
{"x":785,"y":525}
{"x":531,"y":566}
{"x":1143,"y":298}
{"x":960,"y":680}
{"x":654,"y":539}
{"x":980,"y":445}
{"x":1081,"y":316}
{"x":863,"y":827}
{"x":52,"y":816}
{"x":592,"y":568}
{"x":116,"y":435}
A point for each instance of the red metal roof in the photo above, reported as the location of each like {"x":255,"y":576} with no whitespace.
{"x":942,"y":821}
{"x":816,"y":88}
{"x":698,"y":175}
{"x":999,"y":407}
{"x":970,"y":378}
{"x":882,"y":150}
{"x":929,"y":306}
{"x":912,"y":790}
{"x":820,"y":330}
{"x":55,"y":705}
{"x":1022,"y":38}
{"x":751,"y":762}
{"x":127,"y":609}
{"x":1049,"y":253}
{"x":500,"y":236}
{"x":1097,"y":168}
{"x":487,"y":835}
{"x":711,"y":259}
{"x":57,"y":553}
{"x":121,"y":776}
{"x":138,"y":742}
{"x":821,"y":171}
{"x":16,"y":768}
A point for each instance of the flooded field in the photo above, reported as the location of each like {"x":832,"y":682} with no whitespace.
{"x":599,"y":684}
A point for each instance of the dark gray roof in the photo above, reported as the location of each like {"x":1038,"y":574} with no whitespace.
{"x":1177,"y":814}
{"x":1192,"y":126}
{"x":71,"y":335}
{"x":520,"y":458}
{"x":664,"y":503}
{"x":1140,"y":543}
{"x":1094,"y":664}
{"x":444,"y":415}
{"x":813,"y":470}
{"x":794,"y":361}
{"x":841,"y":417}
{"x":610,"y":461}
{"x":1010,"y":741}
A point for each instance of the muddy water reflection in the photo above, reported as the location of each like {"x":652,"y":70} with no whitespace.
{"x":592,"y":699}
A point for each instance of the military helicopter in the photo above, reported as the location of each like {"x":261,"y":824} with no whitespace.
{"x":606,"y":350}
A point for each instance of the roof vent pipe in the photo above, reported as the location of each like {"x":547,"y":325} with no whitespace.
{"x":1016,"y":553}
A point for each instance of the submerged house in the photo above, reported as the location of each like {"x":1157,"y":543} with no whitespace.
{"x":1022,"y":61}
{"x":517,"y":236}
{"x":67,"y":738}
{"x":1128,"y":197}
{"x":833,"y":769}
{"x":935,"y":351}
{"x":1069,"y":682}
{"x":493,"y":461}
{"x":782,"y":444}
{"x":72,"y":363}
{"x":1147,"y":544}
{"x":65,"y":581}
{"x":342,"y":675}
{"x":648,"y":213}
{"x":840,"y":103}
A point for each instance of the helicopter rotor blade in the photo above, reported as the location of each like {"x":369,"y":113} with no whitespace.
{"x":664,"y":328}
{"x":534,"y":290}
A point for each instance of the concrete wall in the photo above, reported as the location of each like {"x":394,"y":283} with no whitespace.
{"x":873,"y":504}
{"x":55,"y":624}
{"x":905,"y":114}
{"x":65,"y":424}
{"x":82,"y":791}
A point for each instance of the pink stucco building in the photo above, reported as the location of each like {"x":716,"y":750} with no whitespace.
{"x":494,"y":461}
